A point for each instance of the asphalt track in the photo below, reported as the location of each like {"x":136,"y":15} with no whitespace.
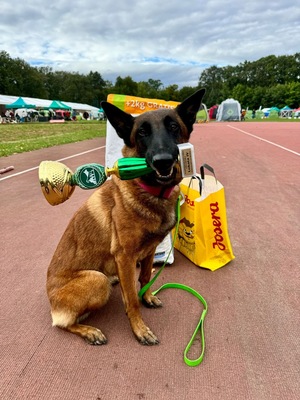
{"x":252,"y":326}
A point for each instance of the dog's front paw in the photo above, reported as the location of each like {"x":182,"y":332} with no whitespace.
{"x":143,"y":334}
{"x":148,"y":338}
{"x":151,"y":301}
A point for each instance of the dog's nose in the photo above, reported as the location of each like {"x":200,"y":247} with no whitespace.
{"x":163,"y":162}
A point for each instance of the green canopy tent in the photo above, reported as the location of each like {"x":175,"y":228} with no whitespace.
{"x":274,"y":112}
{"x":59,"y":105}
{"x":20,"y":103}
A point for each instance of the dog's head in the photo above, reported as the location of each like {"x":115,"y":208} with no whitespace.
{"x":154,"y":135}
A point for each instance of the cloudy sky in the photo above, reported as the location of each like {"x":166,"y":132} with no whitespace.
{"x":170,"y":40}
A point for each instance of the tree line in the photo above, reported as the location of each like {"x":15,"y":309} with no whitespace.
{"x":269,"y":81}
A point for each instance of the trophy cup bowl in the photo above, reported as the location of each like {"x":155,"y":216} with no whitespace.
{"x":55,"y":181}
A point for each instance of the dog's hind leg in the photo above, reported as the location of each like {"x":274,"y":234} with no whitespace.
{"x":87,"y":291}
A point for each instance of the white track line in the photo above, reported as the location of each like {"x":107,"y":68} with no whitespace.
{"x":264,"y":140}
{"x":61,"y":159}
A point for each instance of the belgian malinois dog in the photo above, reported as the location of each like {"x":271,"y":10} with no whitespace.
{"x":121,"y":225}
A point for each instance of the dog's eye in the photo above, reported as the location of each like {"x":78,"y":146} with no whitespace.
{"x":174,"y":127}
{"x":143,"y":132}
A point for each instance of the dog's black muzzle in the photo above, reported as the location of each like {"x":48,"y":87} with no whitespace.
{"x":163,"y":165}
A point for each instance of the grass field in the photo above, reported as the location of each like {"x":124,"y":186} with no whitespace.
{"x":19,"y":138}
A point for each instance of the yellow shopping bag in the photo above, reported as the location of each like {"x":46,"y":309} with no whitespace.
{"x":203,"y":233}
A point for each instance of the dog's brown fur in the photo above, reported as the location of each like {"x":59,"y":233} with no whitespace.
{"x":120,"y":225}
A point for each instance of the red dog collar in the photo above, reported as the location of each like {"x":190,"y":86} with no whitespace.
{"x":158,"y":191}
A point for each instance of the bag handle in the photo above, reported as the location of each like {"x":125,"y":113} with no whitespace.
{"x":200,"y":182}
{"x":209,"y":168}
{"x":201,"y":179}
{"x":202,"y":175}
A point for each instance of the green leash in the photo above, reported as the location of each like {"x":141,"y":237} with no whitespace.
{"x":200,"y":326}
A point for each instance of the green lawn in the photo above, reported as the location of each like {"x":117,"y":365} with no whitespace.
{"x":19,"y":138}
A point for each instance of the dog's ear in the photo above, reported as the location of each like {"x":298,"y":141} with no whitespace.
{"x":120,"y":120}
{"x":187,"y":110}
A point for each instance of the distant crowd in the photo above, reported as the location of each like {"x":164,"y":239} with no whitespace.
{"x":31,"y":115}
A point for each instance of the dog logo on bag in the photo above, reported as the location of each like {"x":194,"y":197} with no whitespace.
{"x":186,"y":235}
{"x":216,"y":220}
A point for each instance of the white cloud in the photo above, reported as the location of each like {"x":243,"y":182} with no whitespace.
{"x":171,"y":41}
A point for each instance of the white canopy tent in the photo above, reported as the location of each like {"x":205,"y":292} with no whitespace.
{"x":43,"y":103}
{"x":229,"y":110}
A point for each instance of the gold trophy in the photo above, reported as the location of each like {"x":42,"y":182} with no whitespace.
{"x":58,"y":182}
